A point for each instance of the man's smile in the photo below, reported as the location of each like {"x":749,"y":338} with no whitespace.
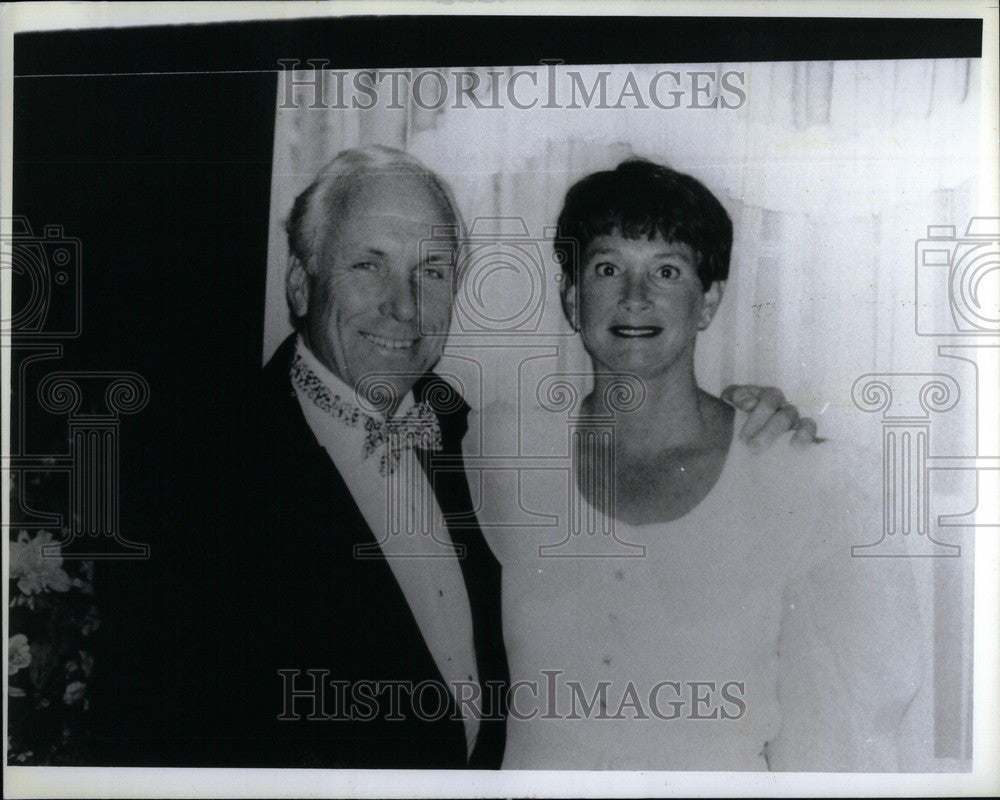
{"x":389,"y":344}
{"x":636,"y":331}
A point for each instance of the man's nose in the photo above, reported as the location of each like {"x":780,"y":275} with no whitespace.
{"x":634,"y":293}
{"x":401,"y":302}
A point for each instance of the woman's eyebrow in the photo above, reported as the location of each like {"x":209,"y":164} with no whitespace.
{"x":672,"y":251}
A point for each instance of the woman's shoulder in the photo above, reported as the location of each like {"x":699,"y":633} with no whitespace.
{"x":825,"y":467}
{"x":818,"y":499}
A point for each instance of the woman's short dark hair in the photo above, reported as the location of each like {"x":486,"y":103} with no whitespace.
{"x":639,"y":198}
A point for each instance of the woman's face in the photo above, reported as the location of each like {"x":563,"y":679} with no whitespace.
{"x":639,"y":304}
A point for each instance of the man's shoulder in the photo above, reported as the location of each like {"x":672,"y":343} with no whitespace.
{"x":275,"y":375}
{"x":274,"y":426}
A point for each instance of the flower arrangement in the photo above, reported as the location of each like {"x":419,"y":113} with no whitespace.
{"x":49,"y":652}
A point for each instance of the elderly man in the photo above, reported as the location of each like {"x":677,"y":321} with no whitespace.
{"x":355,"y":647}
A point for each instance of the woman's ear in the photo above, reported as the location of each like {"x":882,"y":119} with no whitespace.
{"x":297,"y":287}
{"x":710,"y":303}
{"x":567,"y":295}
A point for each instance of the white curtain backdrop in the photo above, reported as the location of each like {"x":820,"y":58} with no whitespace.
{"x":831,"y":171}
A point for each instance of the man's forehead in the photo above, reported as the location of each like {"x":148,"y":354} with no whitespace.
{"x":379,"y":225}
{"x":397,"y":203}
{"x":381,"y":234}
{"x":409,"y":191}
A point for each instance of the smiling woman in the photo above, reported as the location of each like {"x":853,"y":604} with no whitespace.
{"x":653,"y":258}
{"x":741,"y":575}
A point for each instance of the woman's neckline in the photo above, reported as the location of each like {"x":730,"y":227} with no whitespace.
{"x":685,"y":518}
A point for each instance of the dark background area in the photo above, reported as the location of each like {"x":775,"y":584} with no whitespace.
{"x":370,"y":42}
{"x":165,"y":181}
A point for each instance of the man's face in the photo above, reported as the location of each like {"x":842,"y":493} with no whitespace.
{"x":372,"y":304}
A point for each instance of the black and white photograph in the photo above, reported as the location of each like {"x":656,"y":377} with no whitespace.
{"x":519,"y":399}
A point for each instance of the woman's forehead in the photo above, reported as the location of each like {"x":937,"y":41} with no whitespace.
{"x":649,"y":245}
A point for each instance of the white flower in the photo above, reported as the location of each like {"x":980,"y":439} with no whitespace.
{"x":18,"y":653}
{"x":86,"y":663}
{"x":74,"y":692}
{"x":34,"y":572}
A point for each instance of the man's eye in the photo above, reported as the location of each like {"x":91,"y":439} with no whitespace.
{"x":433,"y":272}
{"x":668,"y":272}
{"x":365,"y":266}
{"x":606,"y":270}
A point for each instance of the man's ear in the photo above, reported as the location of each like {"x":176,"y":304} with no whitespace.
{"x":710,"y":303}
{"x":567,"y":295}
{"x":297,"y":287}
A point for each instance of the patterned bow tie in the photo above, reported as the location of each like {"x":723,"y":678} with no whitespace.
{"x":418,"y":427}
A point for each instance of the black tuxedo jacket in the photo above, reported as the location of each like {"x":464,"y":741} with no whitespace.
{"x":306,"y":614}
{"x":252,"y":582}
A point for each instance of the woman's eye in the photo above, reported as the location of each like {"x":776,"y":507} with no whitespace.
{"x":668,"y":272}
{"x":606,"y":270}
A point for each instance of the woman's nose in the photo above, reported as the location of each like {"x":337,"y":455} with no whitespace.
{"x":634,"y":296}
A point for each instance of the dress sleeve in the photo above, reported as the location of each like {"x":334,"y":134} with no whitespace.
{"x":849,"y":646}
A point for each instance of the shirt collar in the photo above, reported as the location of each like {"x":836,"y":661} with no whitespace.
{"x":338,"y":388}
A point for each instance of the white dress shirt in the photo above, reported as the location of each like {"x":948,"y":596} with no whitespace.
{"x":405,"y":518}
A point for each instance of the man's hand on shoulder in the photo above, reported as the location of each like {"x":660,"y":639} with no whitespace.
{"x":769,"y":416}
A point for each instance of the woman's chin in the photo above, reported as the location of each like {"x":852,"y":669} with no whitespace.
{"x":636,"y":364}
{"x":642,"y":360}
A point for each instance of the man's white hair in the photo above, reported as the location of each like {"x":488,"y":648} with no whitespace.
{"x":326,"y":197}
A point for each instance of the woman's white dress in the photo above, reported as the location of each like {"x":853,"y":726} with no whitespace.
{"x":742,"y":636}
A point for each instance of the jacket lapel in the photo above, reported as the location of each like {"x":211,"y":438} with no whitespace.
{"x":481,"y":570}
